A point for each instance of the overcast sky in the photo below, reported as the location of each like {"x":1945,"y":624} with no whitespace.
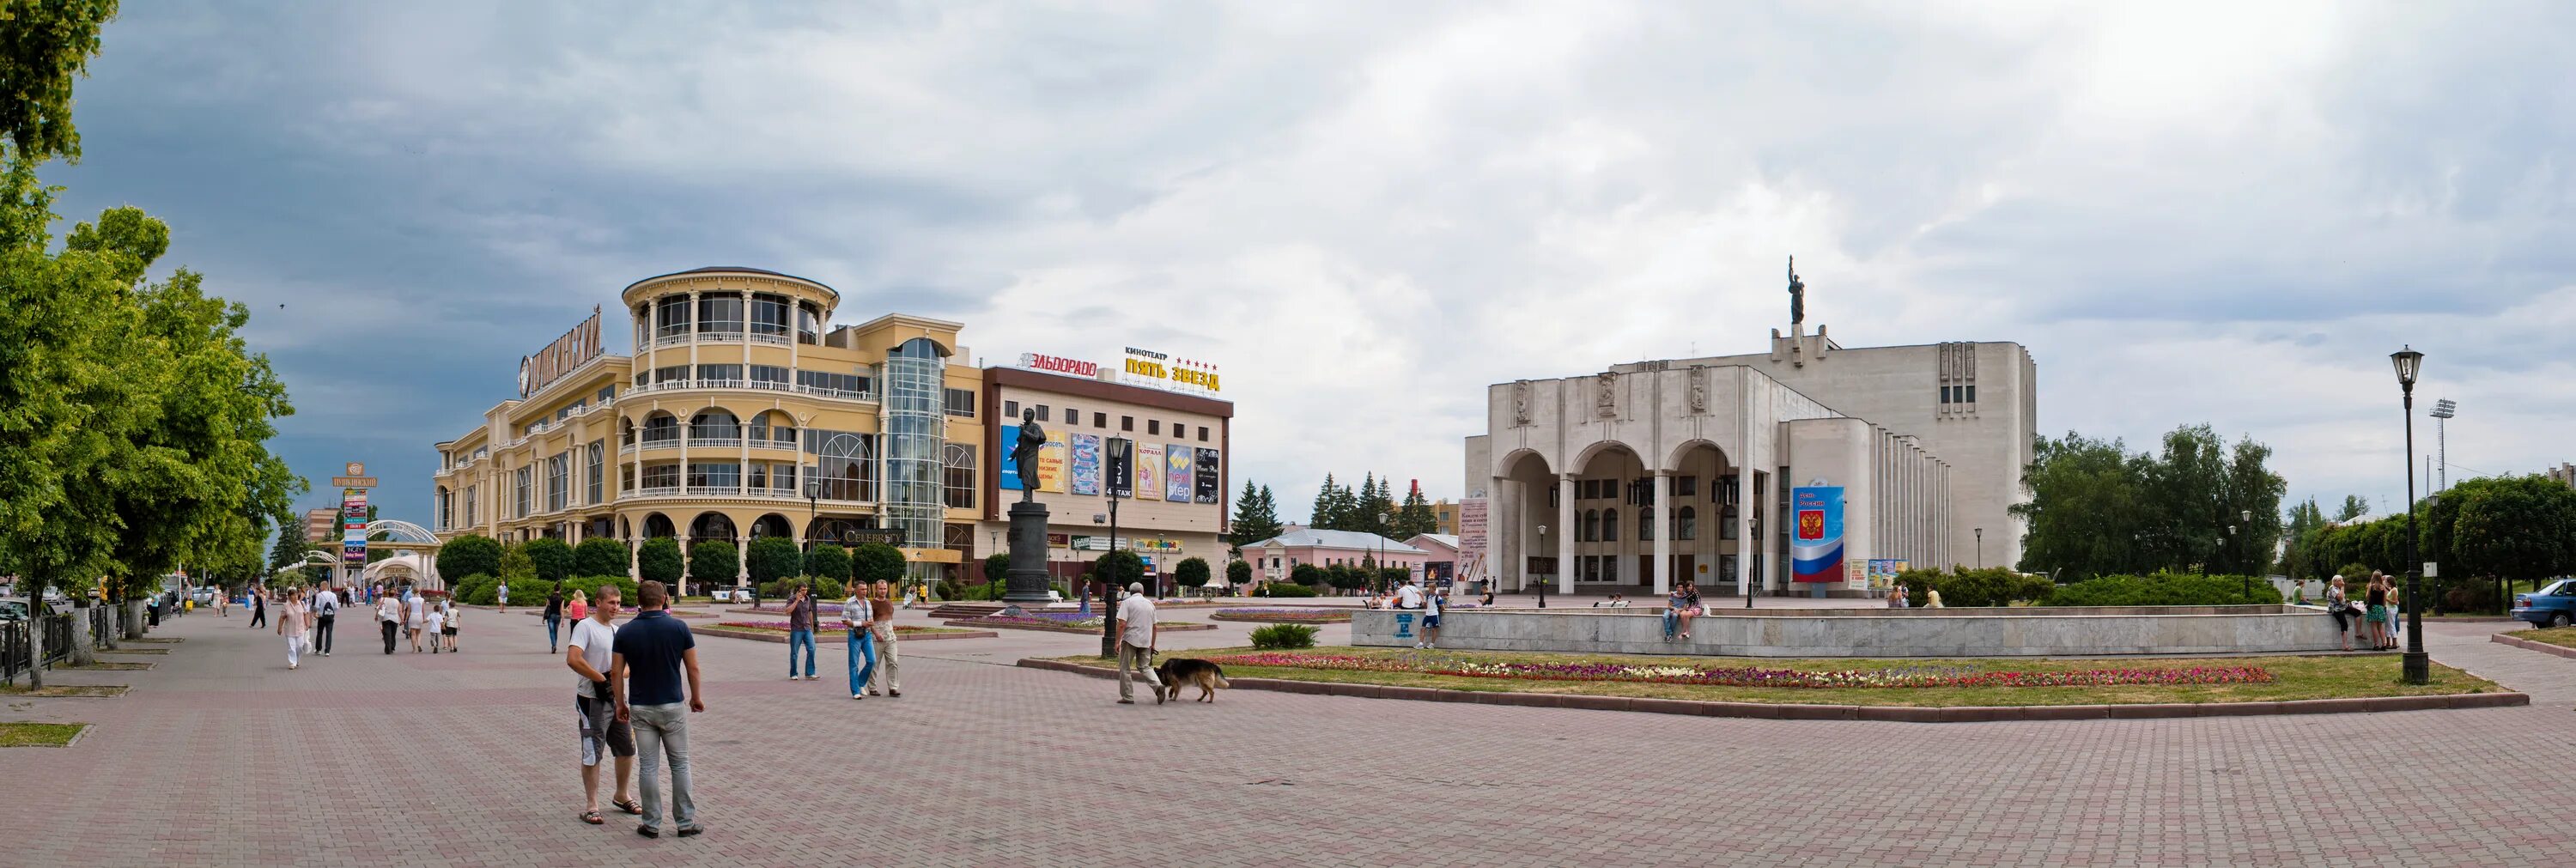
{"x":1366,"y":212}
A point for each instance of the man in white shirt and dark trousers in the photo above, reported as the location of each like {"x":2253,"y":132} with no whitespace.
{"x":1136,"y":634}
{"x":325,"y":605}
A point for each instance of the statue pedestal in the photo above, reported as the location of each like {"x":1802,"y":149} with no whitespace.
{"x":1027,"y":580}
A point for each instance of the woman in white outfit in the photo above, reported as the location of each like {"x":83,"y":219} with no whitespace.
{"x":290,"y":624}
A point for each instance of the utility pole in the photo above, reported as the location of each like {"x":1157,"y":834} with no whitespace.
{"x":2443,"y":410}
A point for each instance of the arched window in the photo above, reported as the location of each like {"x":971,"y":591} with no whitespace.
{"x":1726,"y":523}
{"x":1591,"y":529}
{"x":1646,"y":524}
{"x":1686,"y":524}
{"x":716,"y":425}
{"x":960,"y":472}
{"x":1609,"y":525}
{"x":661,"y":428}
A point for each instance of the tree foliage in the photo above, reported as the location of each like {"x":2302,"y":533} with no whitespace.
{"x":2098,"y":509}
{"x":997,"y":566}
{"x":714,"y":560}
{"x":1191,"y":572}
{"x":1415,"y":516}
{"x":470,"y":555}
{"x":43,"y":48}
{"x":876,"y":562}
{"x":772,"y":558}
{"x":658,"y":560}
{"x":828,"y":560}
{"x":1308,"y":575}
{"x":1238,"y":573}
{"x":1256,"y":517}
{"x":552,"y":559}
{"x":1119,"y":569}
{"x":598,"y":556}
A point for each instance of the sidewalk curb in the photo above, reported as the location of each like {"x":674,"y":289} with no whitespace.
{"x":1788,"y":711}
{"x":2528,"y":645}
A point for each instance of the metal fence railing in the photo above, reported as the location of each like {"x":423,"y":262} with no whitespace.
{"x":102,"y":627}
{"x":15,"y":640}
{"x":13,"y":650}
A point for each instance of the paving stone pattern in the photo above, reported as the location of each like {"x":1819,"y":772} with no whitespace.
{"x":220,"y":756}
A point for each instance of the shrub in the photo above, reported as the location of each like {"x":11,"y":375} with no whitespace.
{"x":515,"y":564}
{"x":1394,"y":576}
{"x":996,"y":567}
{"x":589,"y":586}
{"x":1993,"y":586}
{"x":714,"y":561}
{"x":552,"y":559}
{"x":1191,"y":573}
{"x":876,"y":562}
{"x":470,"y":555}
{"x":773,"y":558}
{"x":1238,"y":572}
{"x":1283,"y":589}
{"x":1283,"y":636}
{"x":2355,"y":575}
{"x":1119,"y":569}
{"x":658,"y":560}
{"x":826,"y":588}
{"x":600,"y":556}
{"x":1308,"y":575}
{"x":2166,"y":589}
{"x":471,"y":587}
{"x":1345,"y":577}
{"x":827,"y":560}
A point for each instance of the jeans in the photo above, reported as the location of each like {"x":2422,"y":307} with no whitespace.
{"x":1672,"y":622}
{"x":551,"y":625}
{"x":322,"y":633}
{"x":863,"y":645}
{"x":794,"y":639}
{"x":663,"y":731}
{"x":390,"y":629}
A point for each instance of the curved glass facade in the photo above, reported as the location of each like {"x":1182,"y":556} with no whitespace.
{"x":915,"y":435}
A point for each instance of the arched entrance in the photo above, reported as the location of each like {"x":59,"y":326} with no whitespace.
{"x":1702,"y":518}
{"x":657,"y":525}
{"x":1610,"y":493}
{"x":771,"y":525}
{"x":1526,"y":555}
{"x":712,"y":525}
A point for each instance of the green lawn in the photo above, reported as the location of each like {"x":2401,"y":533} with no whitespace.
{"x":2311,"y":677}
{"x":38,"y":734}
{"x":2564,"y":637}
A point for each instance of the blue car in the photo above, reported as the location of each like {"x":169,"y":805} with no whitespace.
{"x":2551,"y":606}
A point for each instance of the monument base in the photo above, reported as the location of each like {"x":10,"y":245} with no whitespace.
{"x":1026,"y":581}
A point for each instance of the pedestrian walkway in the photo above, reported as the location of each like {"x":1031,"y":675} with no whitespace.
{"x":221,"y":756}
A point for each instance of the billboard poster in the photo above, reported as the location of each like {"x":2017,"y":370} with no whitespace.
{"x":1816,"y":546}
{"x":1211,"y":482}
{"x":1010,"y":468}
{"x":1051,"y":461}
{"x":1179,"y":473}
{"x":1471,"y":528}
{"x":1086,"y":464}
{"x":1883,"y":572}
{"x":353,"y":527}
{"x":1119,"y":466}
{"x":1149,"y":472}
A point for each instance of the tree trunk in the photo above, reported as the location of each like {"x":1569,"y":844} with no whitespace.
{"x":129,"y":620}
{"x":81,"y":652}
{"x":36,"y":638}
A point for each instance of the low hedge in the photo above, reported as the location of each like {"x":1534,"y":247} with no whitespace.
{"x":1994,"y":586}
{"x":2167,"y":589}
{"x":825,"y":588}
{"x":1283,"y":589}
{"x":589,"y":587}
{"x":1278,"y":636}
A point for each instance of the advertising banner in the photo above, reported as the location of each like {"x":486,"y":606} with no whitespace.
{"x":1179,"y":473}
{"x":1883,"y":571}
{"x":1010,"y":468}
{"x":1211,"y":481}
{"x":1816,"y":547}
{"x":353,"y":527}
{"x":1120,"y":462}
{"x":1051,"y":461}
{"x":1149,"y":472}
{"x":1086,"y":464}
{"x":1471,"y":530}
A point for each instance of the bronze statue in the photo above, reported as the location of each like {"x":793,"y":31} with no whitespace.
{"x":1797,"y":295}
{"x":1024,"y":453}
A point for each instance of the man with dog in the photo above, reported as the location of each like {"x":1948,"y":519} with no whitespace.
{"x":1136,"y":634}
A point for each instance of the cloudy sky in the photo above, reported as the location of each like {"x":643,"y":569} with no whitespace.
{"x":1365,"y":212}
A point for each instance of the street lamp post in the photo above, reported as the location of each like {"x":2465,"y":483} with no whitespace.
{"x":1542,"y":586}
{"x":1108,"y":594}
{"x":1981,"y":548}
{"x":2247,"y":516}
{"x":2418,"y":668}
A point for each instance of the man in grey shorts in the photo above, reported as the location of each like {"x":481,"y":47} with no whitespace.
{"x":601,"y":732}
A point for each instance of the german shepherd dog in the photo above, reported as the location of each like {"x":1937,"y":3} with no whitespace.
{"x":1178,"y":671}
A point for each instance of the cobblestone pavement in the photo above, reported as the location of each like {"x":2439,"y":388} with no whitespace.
{"x":220,"y":756}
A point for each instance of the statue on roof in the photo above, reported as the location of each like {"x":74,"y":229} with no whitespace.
{"x":1797,"y":295}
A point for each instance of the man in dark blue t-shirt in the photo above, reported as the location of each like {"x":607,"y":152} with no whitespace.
{"x":650,"y":653}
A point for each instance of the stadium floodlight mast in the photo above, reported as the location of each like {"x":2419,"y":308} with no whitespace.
{"x":2443,"y":410}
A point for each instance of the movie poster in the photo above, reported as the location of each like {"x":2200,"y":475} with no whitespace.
{"x":1211,"y":484}
{"x":1179,"y":473}
{"x":1086,"y":464}
{"x":1149,"y":472}
{"x":1051,"y":461}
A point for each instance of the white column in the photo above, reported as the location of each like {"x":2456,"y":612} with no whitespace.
{"x":1565,"y":533}
{"x":742,"y":558}
{"x":1662,"y":522}
{"x":634,"y":570}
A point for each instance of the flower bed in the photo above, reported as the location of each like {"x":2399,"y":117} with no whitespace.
{"x":1284,"y":616}
{"x":1750,"y":676}
{"x":1062,"y":622}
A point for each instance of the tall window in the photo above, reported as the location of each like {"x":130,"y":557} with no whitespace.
{"x":1591,"y":526}
{"x":446,"y":508}
{"x":671,"y":316}
{"x":836,"y":385}
{"x":661,"y":428}
{"x":521,"y":499}
{"x":1646,"y":524}
{"x":472,"y":493}
{"x":1202,"y":433}
{"x":769,"y":315}
{"x":720,"y":313}
{"x":1685,"y":486}
{"x":1011,"y":409}
{"x":809,"y":325}
{"x":1072,"y":416}
{"x":1609,"y":525}
{"x":769,"y":374}
{"x":558,"y":487}
{"x":959,"y":402}
{"x":595,"y":481}
{"x":662,"y":476}
{"x":714,"y":475}
{"x":1100,"y":420}
{"x":1686,"y":524}
{"x":1153,"y":426}
{"x":845,"y":464}
{"x":961,"y":476}
{"x":672,"y":374}
{"x":716,"y":425}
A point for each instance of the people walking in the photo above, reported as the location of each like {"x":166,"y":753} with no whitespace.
{"x":326,"y":608}
{"x":603,"y":732}
{"x":800,"y":629}
{"x":857,"y":616}
{"x":504,"y":593}
{"x":433,"y":624}
{"x":448,"y":624}
{"x":389,"y":619}
{"x":554,"y":618}
{"x":651,"y":654}
{"x":888,"y":665}
{"x":414,"y":618}
{"x":1137,"y":632}
{"x":258,"y":607}
{"x":578,"y":607}
{"x":290,"y":624}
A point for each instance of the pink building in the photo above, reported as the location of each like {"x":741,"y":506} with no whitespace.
{"x":1440,"y":555}
{"x":1274,"y":557}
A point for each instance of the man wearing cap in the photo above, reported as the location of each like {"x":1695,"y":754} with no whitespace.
{"x":1136,"y":633}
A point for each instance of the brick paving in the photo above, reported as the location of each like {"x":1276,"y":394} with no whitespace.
{"x":222,"y":757}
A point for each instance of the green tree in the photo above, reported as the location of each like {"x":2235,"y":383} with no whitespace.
{"x":828,"y":560}
{"x":470,"y":555}
{"x":2510,"y":530}
{"x":877,"y":562}
{"x":290,"y":547}
{"x":1376,"y":507}
{"x":516,"y":566}
{"x":2305,"y":520}
{"x":1333,"y":506}
{"x":1238,"y":573}
{"x":658,"y":560}
{"x":2354,"y":506}
{"x":2098,"y":509}
{"x":1255,"y":517}
{"x":997,"y":566}
{"x":43,"y":48}
{"x":1309,"y":575}
{"x":714,"y":562}
{"x":553,"y":560}
{"x":598,"y":556}
{"x":1119,"y":569}
{"x":1415,"y":516}
{"x":1191,"y":572}
{"x":774,"y":557}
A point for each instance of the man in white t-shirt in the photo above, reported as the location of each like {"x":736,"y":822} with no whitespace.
{"x":1136,"y":634}
{"x":589,"y":656}
{"x":1431,"y":621}
{"x":1409,"y":596}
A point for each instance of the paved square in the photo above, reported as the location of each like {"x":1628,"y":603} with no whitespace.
{"x":220,"y":756}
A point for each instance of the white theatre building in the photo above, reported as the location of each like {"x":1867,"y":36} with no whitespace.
{"x":1633,"y":478}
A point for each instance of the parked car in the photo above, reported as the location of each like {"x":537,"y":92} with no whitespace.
{"x":12,"y":610}
{"x":2551,"y":606}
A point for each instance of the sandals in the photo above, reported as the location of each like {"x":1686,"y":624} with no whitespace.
{"x":630,"y":806}
{"x":592,"y":817}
